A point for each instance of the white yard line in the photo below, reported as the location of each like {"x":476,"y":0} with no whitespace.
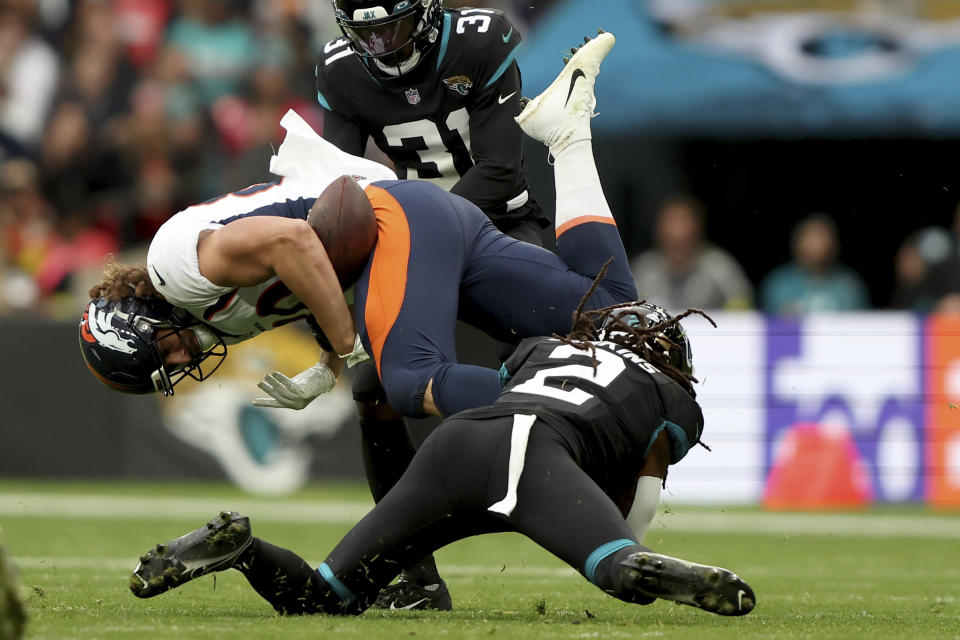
{"x":684,"y":519}
{"x":90,"y":507}
{"x":75,"y":563}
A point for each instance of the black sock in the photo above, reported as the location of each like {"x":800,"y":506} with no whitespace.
{"x":424,"y":572}
{"x":286,"y":581}
{"x":387,"y":452}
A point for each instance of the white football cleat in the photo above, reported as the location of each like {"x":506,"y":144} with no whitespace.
{"x":561,"y":114}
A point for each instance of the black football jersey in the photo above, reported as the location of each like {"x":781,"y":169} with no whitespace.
{"x":608,"y":404}
{"x":449,"y":120}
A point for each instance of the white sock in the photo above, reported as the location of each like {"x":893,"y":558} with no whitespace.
{"x":579,"y":194}
{"x":644,"y":507}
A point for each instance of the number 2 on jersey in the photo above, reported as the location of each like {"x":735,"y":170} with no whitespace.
{"x":609,"y":366}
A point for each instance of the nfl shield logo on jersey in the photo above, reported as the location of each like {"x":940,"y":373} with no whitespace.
{"x":413,"y":96}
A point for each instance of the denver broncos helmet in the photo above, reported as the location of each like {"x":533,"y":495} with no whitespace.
{"x":671,"y":341}
{"x":118,"y":340}
{"x":389,"y":34}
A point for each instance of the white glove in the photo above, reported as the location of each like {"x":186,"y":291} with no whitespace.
{"x":356,"y":356}
{"x":296,"y":392}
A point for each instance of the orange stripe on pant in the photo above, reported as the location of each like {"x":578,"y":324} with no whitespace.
{"x":388,"y":270}
{"x":566,"y":226}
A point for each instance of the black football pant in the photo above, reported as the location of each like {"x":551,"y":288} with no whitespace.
{"x":469,"y":477}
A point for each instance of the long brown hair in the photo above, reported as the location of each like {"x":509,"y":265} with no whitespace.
{"x":124,"y":280}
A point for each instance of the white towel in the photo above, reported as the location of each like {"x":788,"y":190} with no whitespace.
{"x":304,"y":155}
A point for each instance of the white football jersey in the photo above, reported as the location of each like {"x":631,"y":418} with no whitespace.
{"x":238,"y":313}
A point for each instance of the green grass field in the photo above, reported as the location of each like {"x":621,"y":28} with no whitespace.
{"x":884,"y":574}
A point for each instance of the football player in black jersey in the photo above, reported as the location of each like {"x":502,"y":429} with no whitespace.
{"x":584,"y":430}
{"x":437,"y":89}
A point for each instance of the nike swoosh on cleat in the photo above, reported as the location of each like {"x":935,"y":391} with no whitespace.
{"x":393,"y":605}
{"x":576,"y":76}
{"x":503,"y":99}
{"x":506,"y":36}
{"x":740,"y":594}
{"x":163,"y":282}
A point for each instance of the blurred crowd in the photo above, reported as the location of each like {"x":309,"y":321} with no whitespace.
{"x":684,"y":269}
{"x":115,"y":114}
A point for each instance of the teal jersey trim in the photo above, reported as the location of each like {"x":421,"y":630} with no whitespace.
{"x":323,"y":101}
{"x":445,"y":38}
{"x":503,"y":68}
{"x":679,"y":445}
{"x":504,"y":375}
{"x":345,"y":595}
{"x":601,"y":552}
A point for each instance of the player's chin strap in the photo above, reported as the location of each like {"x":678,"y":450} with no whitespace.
{"x":207,"y":338}
{"x":644,"y":507}
{"x":404,"y":67}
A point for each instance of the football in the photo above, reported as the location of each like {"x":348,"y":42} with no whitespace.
{"x":343,"y":219}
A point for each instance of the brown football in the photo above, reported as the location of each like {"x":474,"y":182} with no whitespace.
{"x":344,"y":221}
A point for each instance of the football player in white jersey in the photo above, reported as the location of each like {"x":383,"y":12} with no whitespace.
{"x":227,"y":270}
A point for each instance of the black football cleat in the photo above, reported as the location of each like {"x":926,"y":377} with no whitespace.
{"x":213,"y":547}
{"x":412,"y":596}
{"x":712,"y":589}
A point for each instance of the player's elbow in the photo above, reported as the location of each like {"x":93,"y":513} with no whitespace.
{"x":294,"y":238}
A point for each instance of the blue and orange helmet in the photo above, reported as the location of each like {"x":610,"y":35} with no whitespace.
{"x":118,"y":341}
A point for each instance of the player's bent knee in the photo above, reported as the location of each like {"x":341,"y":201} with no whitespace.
{"x":404,"y":389}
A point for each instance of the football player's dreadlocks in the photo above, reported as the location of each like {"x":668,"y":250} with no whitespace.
{"x":587,"y":324}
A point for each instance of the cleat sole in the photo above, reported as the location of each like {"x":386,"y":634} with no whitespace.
{"x":712,"y":589}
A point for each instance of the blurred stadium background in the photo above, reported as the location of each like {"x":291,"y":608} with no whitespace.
{"x":833,"y":380}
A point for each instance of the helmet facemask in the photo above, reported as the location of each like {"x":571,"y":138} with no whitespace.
{"x":165,"y":377}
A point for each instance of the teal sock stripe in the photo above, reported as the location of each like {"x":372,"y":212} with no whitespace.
{"x":338,"y":587}
{"x":602,"y":552}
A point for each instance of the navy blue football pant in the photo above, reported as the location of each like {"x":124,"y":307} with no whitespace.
{"x":438,"y":257}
